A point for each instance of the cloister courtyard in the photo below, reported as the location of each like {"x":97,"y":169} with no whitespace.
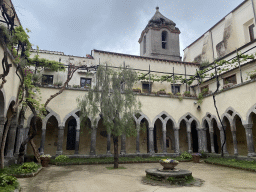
{"x":95,"y":178}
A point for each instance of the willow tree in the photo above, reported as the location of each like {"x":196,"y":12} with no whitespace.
{"x":113,"y":100}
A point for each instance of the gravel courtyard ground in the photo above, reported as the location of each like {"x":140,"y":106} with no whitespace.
{"x":96,"y":178}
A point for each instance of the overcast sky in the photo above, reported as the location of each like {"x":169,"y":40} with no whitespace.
{"x":76,"y":27}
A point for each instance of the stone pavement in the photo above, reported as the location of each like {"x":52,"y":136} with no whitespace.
{"x":96,"y":178}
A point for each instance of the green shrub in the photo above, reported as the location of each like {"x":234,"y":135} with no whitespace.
{"x":186,"y":155}
{"x":61,"y":158}
{"x":8,"y":183}
{"x":27,"y":168}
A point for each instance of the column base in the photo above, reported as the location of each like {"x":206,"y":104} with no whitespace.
{"x":190,"y":151}
{"x":137,"y":152}
{"x":122,"y":152}
{"x":253,"y":154}
{"x":92,"y":153}
{"x":109,"y":153}
{"x":58,"y":152}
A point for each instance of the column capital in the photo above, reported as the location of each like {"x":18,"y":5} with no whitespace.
{"x":61,"y":127}
{"x":175,"y":128}
{"x":94,"y":127}
{"x":248,"y":126}
{"x":150,"y":128}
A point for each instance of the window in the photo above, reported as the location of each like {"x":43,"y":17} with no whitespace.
{"x":85,"y":82}
{"x":47,"y":79}
{"x":146,"y":88}
{"x":144,"y":45}
{"x":164,"y":40}
{"x":175,"y":89}
{"x":230,"y":79}
{"x":251,"y":32}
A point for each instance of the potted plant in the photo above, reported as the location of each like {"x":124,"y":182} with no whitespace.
{"x":168,"y":164}
{"x":161,"y":92}
{"x":136,"y":90}
{"x":187,"y":94}
{"x":196,"y":157}
{"x":45,"y":159}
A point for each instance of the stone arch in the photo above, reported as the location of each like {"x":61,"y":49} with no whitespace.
{"x":249,"y":114}
{"x":146,"y":117}
{"x":50,"y":127}
{"x":230,"y":111}
{"x":218,"y":123}
{"x":240,"y":134}
{"x":228,"y":117}
{"x":72,"y":113}
{"x":52,"y":113}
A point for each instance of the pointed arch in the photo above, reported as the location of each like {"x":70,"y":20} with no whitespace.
{"x":249,"y":114}
{"x":143,"y":116}
{"x":52,"y":113}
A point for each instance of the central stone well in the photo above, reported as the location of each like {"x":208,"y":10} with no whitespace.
{"x":161,"y":174}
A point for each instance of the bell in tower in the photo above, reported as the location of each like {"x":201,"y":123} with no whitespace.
{"x":160,"y":38}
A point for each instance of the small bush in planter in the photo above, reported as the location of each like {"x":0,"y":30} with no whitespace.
{"x":27,"y":168}
{"x":186,"y":155}
{"x":61,"y":158}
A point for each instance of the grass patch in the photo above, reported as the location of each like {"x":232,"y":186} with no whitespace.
{"x":112,"y":168}
{"x":109,"y":160}
{"x":242,"y":164}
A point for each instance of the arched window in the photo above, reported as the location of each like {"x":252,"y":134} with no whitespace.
{"x":164,"y":39}
{"x":144,"y":45}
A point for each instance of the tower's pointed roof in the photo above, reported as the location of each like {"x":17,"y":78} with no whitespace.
{"x":159,"y":19}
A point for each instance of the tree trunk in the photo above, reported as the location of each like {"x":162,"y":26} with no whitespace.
{"x":35,"y":150}
{"x":115,"y":140}
{"x":4,"y":140}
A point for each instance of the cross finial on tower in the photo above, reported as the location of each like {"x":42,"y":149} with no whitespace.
{"x":157,"y":8}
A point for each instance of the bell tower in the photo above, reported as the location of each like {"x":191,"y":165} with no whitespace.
{"x":160,"y":38}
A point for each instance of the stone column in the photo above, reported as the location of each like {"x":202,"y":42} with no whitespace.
{"x":200,"y":138}
{"x":177,"y":140}
{"x":204,"y":140}
{"x":123,"y":144}
{"x":60,"y":140}
{"x":189,"y":142}
{"x":222,"y":141}
{"x":138,"y":139}
{"x":42,"y":141}
{"x":25,"y":135}
{"x":212,"y":142}
{"x":77,"y":141}
{"x":19,"y":139}
{"x":235,"y":142}
{"x":108,"y":144}
{"x":2,"y":122}
{"x":164,"y":137}
{"x":11,"y":137}
{"x":151,"y":140}
{"x":93,"y":140}
{"x":249,"y":139}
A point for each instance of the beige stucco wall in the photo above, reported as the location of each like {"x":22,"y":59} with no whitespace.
{"x":10,"y":88}
{"x":233,"y":29}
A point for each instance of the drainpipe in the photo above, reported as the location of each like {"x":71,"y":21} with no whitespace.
{"x":253,"y":8}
